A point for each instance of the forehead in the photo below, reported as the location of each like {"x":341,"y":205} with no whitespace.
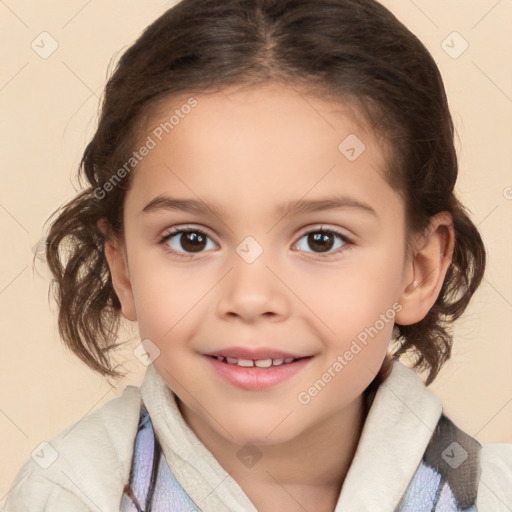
{"x":271,"y":141}
{"x":273,"y":102}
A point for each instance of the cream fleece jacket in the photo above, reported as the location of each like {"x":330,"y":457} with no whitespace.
{"x":93,"y":456}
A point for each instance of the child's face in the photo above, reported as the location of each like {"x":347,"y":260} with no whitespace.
{"x":250,"y":156}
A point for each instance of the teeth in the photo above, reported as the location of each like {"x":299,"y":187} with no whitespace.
{"x":263,"y":363}
{"x":260,"y":363}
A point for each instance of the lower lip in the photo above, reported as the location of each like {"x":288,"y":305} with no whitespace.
{"x":253,"y":378}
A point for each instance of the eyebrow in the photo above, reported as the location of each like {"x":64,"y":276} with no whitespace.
{"x":163,"y":203}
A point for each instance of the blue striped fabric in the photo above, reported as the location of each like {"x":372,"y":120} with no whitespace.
{"x":426,"y":493}
{"x":152,"y":486}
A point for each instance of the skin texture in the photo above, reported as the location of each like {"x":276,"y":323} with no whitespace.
{"x":245,"y":153}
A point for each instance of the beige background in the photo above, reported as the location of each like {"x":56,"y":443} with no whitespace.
{"x":49,"y":108}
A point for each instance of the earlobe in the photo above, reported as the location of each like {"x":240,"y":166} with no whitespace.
{"x":426,"y":270}
{"x":119,"y":270}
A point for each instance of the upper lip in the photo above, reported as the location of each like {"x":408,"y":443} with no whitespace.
{"x":254,"y":353}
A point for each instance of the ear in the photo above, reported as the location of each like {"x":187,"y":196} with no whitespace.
{"x":426,"y":269}
{"x":115,"y":254}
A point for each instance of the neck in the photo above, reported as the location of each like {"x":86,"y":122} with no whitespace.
{"x":315,"y":461}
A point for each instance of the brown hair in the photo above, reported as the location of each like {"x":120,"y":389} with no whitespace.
{"x":354,"y":50}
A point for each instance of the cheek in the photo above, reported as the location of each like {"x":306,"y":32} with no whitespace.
{"x":167,"y":299}
{"x":355,"y":296}
{"x":358,"y":310}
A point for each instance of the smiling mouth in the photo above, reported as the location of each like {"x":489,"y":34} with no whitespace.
{"x":258,"y":363}
{"x":257,"y":374}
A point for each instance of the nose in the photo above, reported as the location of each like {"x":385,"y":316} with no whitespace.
{"x":253,"y":290}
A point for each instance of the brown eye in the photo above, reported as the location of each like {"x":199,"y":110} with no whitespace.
{"x":183,"y":242}
{"x":322,"y":241}
{"x":192,"y":241}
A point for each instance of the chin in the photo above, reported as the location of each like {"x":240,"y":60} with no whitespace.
{"x":263,"y":433}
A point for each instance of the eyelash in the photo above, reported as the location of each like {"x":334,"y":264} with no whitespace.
{"x":190,"y":229}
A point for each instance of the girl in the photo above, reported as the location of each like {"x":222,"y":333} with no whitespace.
{"x":270,"y":198}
